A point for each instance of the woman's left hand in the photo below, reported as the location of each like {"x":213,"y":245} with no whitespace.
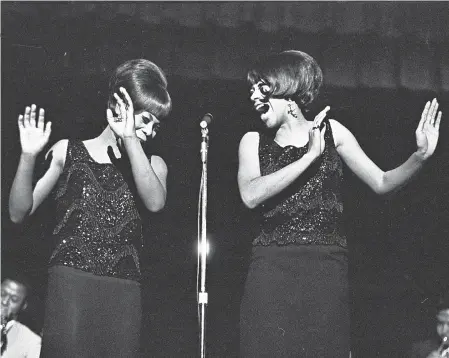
{"x":428,"y":129}
{"x":123,"y":125}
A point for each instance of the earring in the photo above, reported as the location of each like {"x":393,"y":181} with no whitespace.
{"x":291,"y":110}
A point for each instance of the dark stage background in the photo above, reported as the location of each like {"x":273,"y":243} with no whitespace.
{"x":59,"y":56}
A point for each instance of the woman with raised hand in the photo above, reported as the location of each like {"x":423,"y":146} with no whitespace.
{"x":93,"y":306}
{"x":295,"y":301}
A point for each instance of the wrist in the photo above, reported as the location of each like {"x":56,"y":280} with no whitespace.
{"x":310,"y":157}
{"x":130,"y":141}
{"x":420,"y":155}
{"x":28,"y":156}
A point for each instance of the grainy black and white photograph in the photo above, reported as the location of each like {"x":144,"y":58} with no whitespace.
{"x":225,"y":179}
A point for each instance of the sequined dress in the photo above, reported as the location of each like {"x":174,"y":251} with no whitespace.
{"x":310,"y":210}
{"x":98,"y":229}
{"x":93,"y":305}
{"x":295,"y":301}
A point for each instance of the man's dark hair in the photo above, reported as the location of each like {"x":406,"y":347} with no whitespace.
{"x":17,"y":275}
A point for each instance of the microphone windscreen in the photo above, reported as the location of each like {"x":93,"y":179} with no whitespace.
{"x":206,"y":120}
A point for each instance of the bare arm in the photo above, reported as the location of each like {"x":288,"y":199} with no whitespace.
{"x":23,"y":199}
{"x":255,"y":188}
{"x":380,"y":181}
{"x":150,"y":178}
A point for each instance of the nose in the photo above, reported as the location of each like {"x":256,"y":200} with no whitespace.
{"x":256,"y":94}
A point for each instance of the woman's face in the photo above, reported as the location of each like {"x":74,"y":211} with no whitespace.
{"x":273,"y":111}
{"x":147,"y":125}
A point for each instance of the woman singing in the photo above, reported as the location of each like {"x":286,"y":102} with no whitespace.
{"x":93,"y":306}
{"x":295,"y":302}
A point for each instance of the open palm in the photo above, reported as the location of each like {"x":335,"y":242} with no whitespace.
{"x":123,"y":125}
{"x":33,"y":135}
{"x":427,"y":132}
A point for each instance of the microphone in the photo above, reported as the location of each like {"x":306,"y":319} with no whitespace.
{"x":206,"y":120}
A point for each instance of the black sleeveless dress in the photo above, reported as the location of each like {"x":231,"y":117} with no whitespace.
{"x":93,"y":306}
{"x":295,"y":301}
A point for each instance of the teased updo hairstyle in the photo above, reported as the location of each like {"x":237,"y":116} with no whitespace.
{"x":291,"y":75}
{"x":146,"y":85}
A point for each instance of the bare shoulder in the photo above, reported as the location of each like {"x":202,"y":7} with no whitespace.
{"x":249,"y":139}
{"x":336,"y":125}
{"x":250,"y":136}
{"x":158,"y":164}
{"x":59,"y":150}
{"x":340,"y":132}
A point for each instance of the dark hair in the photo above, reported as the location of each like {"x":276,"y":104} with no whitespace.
{"x":146,"y":84}
{"x":290,"y":74}
{"x":20,"y":278}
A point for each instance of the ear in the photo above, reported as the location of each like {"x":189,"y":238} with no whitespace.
{"x":25,"y":305}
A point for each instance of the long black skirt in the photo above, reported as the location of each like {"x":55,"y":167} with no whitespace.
{"x":90,"y":316}
{"x":295,"y":303}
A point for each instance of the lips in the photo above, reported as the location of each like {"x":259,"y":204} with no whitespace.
{"x":261,"y":107}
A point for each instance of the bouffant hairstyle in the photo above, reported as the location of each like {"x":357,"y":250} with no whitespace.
{"x":145,"y":83}
{"x":291,"y":75}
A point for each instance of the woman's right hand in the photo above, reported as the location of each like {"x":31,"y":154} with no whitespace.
{"x":33,"y":135}
{"x":316,"y":136}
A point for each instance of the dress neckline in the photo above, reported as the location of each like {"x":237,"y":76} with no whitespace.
{"x":90,"y":156}
{"x":290,"y":145}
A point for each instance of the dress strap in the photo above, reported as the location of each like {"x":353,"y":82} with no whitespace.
{"x":77,"y":152}
{"x":329,"y":135}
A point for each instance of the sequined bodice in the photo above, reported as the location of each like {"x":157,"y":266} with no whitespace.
{"x":98,"y":228}
{"x":309,"y":211}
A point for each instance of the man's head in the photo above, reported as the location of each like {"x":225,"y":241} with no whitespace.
{"x":15,"y":290}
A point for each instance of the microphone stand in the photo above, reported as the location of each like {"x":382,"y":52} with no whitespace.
{"x":202,"y":296}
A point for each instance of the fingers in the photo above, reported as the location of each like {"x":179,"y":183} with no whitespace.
{"x":423,"y":116}
{"x":129,"y":124}
{"x":428,"y":116}
{"x":320,"y":117}
{"x":21,"y":122}
{"x":438,"y":120}
{"x":121,"y":104}
{"x":314,"y":134}
{"x":33,"y":115}
{"x":432,"y":112}
{"x":26,"y":117}
{"x":47,"y":130}
{"x":40,"y":119}
{"x":322,"y":133}
{"x":109,"y":115}
{"x":129,"y":104}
